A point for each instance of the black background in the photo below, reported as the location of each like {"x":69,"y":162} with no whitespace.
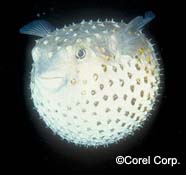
{"x":30,"y":149}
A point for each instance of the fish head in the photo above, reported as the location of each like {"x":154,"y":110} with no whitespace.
{"x":60,"y":56}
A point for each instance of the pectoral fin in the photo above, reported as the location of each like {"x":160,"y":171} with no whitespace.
{"x":139,"y":22}
{"x":39,"y":28}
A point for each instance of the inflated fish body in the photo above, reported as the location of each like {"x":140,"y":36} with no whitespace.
{"x":94,"y":83}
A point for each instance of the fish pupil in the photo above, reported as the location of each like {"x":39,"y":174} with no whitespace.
{"x":80,"y":54}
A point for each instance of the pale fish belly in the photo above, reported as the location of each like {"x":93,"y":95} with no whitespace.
{"x":104,"y":103}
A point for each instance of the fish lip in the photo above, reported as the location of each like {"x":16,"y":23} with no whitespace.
{"x":48,"y":78}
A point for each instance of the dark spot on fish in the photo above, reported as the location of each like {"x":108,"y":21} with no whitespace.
{"x":133,"y":101}
{"x":98,"y":123}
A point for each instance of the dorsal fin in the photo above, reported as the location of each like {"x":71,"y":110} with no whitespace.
{"x":37,"y":28}
{"x":139,"y":22}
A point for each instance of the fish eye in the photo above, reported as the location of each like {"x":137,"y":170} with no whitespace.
{"x":81,"y":54}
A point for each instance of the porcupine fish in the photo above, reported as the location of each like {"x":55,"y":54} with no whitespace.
{"x":96,"y":82}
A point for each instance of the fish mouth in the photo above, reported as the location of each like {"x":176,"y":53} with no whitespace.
{"x":51,"y":83}
{"x":48,"y":78}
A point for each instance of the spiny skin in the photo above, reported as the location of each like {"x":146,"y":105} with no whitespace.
{"x":103,"y":97}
